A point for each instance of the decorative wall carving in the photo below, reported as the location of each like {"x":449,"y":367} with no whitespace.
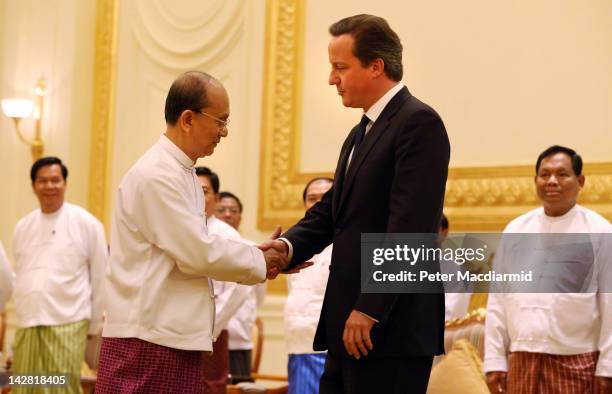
{"x":103,"y":108}
{"x":477,"y":199}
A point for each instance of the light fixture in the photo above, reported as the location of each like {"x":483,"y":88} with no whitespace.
{"x":19,"y":108}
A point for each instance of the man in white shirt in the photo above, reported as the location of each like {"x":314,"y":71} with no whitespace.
{"x":160,"y":302}
{"x":60,"y":257}
{"x":229,"y":296}
{"x":456,"y":294}
{"x":240,"y":327}
{"x":551,"y":343}
{"x":303,"y":308}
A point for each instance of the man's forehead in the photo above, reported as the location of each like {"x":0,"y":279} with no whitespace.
{"x":204,"y":180}
{"x":320,"y":186}
{"x":228,"y":200}
{"x":49,"y":170}
{"x":558,"y":159}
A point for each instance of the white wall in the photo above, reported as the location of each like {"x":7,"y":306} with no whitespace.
{"x":509,"y":78}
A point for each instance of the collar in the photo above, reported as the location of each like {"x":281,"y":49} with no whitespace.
{"x":565,"y":216}
{"x":376,"y":109}
{"x":175,"y":152}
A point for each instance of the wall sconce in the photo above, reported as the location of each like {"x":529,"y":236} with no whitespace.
{"x":19,"y":108}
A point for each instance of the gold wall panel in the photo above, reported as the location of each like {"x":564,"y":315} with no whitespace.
{"x":477,"y":198}
{"x":103,"y":110}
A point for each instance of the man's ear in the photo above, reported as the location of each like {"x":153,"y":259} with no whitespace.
{"x":185,"y":120}
{"x":581,"y":180}
{"x":378,"y":67}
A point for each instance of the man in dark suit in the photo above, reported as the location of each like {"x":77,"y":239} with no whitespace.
{"x":390,"y":177}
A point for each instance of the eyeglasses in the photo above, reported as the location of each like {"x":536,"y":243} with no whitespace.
{"x":231,"y":210}
{"x":222,"y":124}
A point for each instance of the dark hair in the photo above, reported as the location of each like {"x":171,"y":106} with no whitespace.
{"x":575,"y":157}
{"x":226,"y":194}
{"x":188,"y":91}
{"x":47,"y":161}
{"x":444,"y":222}
{"x":374,"y":39}
{"x":313,"y":180}
{"x":212,"y":177}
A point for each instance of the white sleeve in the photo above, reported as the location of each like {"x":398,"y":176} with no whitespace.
{"x":604,"y":363}
{"x":6,"y":279}
{"x":497,"y":342}
{"x":260,"y":293}
{"x":227,"y":304}
{"x":163,"y":216}
{"x":98,"y":258}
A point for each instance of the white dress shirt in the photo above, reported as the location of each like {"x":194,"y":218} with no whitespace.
{"x":6,"y":278}
{"x":162,"y":256}
{"x":60,"y":260}
{"x":561,"y":324}
{"x":304,"y":303}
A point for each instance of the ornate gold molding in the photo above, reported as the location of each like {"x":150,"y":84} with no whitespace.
{"x":487,"y":198}
{"x":477,"y":198}
{"x":103,"y":109}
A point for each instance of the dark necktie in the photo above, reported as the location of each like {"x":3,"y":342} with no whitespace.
{"x":361,"y":129}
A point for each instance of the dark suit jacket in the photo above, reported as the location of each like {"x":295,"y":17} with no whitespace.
{"x":395,"y":183}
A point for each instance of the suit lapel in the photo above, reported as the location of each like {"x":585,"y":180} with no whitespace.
{"x":381,"y":124}
{"x":341,"y":172}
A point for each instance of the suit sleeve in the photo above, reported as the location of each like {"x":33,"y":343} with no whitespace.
{"x":422,"y":153}
{"x":313,"y":232}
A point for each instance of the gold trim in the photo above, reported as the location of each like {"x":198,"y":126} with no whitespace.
{"x":475,"y":316}
{"x":477,"y":198}
{"x":487,"y":198}
{"x":102,"y":121}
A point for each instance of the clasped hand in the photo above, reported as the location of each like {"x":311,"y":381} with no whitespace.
{"x":276,"y":254}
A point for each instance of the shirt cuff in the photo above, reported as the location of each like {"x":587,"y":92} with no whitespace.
{"x":604,"y":368}
{"x":289,"y":248}
{"x":368,"y":316}
{"x":495,"y":364}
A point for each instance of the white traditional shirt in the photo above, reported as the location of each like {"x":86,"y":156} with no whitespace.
{"x":162,"y":255}
{"x":6,"y":278}
{"x":304,"y":303}
{"x":229,"y":296}
{"x":60,"y":260}
{"x":240,"y":326}
{"x":561,"y":324}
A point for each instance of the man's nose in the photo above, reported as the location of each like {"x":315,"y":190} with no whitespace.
{"x":333,"y":79}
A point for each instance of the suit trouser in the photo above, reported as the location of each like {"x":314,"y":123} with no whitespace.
{"x":344,"y":374}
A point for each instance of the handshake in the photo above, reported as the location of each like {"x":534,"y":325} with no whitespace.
{"x":276,"y":253}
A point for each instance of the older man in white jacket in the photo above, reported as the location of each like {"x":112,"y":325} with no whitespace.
{"x":160,"y":308}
